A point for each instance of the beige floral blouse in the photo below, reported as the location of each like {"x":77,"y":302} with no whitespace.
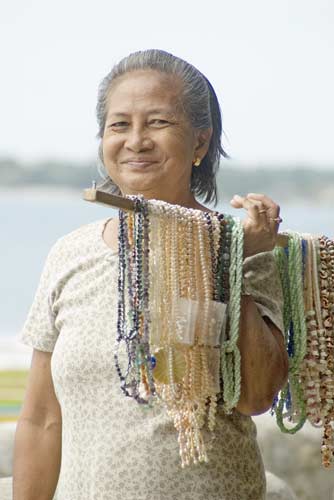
{"x":112,"y":448}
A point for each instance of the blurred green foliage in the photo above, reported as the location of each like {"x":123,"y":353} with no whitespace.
{"x":12,"y":389}
{"x":293,"y":183}
{"x":62,"y":174}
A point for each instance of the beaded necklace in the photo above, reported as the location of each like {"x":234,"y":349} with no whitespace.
{"x":307,"y":276}
{"x":178,"y":269}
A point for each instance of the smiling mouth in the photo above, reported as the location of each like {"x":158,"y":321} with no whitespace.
{"x":140,"y":164}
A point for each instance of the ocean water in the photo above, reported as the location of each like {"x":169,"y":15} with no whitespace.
{"x":31,"y":222}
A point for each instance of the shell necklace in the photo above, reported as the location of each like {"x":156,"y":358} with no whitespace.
{"x":178,"y":269}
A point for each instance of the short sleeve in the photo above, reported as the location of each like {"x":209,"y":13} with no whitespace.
{"x":39,"y":329}
{"x":261,"y":280}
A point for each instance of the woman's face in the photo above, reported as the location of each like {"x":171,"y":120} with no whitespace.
{"x":148,"y":143}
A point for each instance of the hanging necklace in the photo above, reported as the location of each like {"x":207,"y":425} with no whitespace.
{"x":309,"y":336}
{"x":174,"y":283}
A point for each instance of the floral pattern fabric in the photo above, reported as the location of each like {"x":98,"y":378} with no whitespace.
{"x":113,"y":448}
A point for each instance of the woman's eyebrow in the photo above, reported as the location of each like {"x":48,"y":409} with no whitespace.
{"x":150,"y":112}
{"x":161,"y":110}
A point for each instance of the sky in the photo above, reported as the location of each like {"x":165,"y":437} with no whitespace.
{"x":270,"y":62}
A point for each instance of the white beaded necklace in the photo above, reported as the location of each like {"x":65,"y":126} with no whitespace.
{"x":185,"y":321}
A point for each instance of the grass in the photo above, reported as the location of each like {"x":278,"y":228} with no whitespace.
{"x":12,"y":390}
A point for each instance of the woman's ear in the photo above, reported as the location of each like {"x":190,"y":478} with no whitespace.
{"x":203,"y":141}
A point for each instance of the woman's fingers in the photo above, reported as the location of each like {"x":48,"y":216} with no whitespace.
{"x":266,"y":201}
{"x":260,"y":226}
{"x":255,"y":209}
{"x":272,"y":209}
{"x":266,"y":206}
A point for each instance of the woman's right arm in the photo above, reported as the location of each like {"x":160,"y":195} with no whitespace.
{"x":37,"y":450}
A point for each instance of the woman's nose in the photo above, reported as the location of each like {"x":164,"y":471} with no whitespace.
{"x":138,"y":139}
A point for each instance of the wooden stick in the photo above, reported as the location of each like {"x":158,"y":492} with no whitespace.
{"x":108,"y":199}
{"x":113,"y":200}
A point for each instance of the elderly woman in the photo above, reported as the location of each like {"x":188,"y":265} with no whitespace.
{"x":77,"y":435}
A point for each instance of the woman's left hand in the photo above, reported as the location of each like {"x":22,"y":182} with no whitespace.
{"x":260,"y":226}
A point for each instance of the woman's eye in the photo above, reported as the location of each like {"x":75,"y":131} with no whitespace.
{"x":118,"y":124}
{"x":159,"y":121}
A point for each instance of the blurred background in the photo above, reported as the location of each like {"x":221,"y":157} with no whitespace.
{"x":271,"y":66}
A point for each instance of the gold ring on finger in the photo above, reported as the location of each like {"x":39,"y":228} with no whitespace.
{"x":277,"y":219}
{"x":262,"y":211}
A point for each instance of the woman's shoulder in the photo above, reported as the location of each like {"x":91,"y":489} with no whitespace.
{"x":80,"y":241}
{"x":83,"y":231}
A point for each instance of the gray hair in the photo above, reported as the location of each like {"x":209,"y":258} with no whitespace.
{"x":199,"y":102}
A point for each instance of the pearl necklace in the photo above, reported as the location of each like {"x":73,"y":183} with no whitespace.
{"x":173,"y":284}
